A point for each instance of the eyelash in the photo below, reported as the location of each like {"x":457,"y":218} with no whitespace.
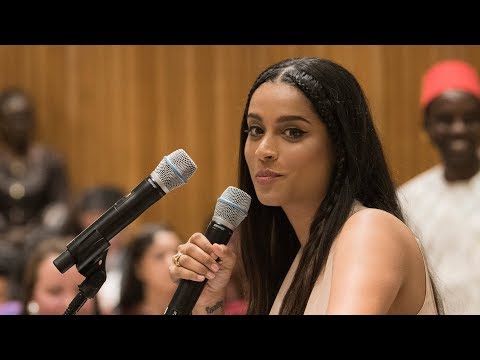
{"x":297,"y":133}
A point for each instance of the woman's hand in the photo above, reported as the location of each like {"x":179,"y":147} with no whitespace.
{"x":196,"y":260}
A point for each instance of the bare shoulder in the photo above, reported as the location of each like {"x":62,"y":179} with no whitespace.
{"x":371,"y":228}
{"x":373,"y":258}
{"x":378,"y":240}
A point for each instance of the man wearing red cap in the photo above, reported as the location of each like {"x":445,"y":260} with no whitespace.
{"x":442,"y":204}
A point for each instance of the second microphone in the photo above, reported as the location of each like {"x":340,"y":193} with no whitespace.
{"x":231,"y":208}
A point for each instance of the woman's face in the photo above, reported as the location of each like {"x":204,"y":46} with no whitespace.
{"x":53,"y":291}
{"x":288,"y":150}
{"x":152,"y":269}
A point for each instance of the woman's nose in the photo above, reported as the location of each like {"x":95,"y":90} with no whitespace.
{"x":267,"y":149}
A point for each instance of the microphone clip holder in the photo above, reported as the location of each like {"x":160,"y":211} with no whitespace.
{"x":91,"y":264}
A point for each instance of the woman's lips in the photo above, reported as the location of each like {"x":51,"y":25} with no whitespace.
{"x":265,"y":177}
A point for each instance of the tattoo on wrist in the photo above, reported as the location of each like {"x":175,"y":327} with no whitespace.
{"x":211,"y":309}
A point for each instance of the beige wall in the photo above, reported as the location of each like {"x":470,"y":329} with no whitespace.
{"x":115,"y":111}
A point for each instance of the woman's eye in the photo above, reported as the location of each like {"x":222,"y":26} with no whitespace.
{"x":294,"y":133}
{"x":254,"y":131}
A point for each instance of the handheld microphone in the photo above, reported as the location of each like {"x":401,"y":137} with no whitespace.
{"x":231,"y":208}
{"x":90,"y":245}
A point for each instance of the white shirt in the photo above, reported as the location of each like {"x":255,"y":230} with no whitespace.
{"x":446,"y":218}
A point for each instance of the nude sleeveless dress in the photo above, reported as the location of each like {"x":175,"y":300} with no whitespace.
{"x":318,"y":301}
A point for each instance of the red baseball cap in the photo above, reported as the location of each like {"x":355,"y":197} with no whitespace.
{"x":448,"y":75}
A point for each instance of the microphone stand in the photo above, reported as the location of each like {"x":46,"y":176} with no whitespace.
{"x":95,"y":276}
{"x":90,"y":259}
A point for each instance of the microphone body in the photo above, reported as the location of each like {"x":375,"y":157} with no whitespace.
{"x":232,"y":207}
{"x":96,"y":236}
{"x":90,"y":245}
{"x":128,"y":208}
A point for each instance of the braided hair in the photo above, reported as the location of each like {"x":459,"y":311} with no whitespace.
{"x":269,"y":243}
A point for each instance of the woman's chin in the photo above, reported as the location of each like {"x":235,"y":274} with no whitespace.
{"x":268,"y":200}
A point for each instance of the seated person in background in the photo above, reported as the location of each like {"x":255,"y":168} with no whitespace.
{"x":9,"y":281}
{"x":34,"y":187}
{"x":91,"y":204}
{"x":46,"y":291}
{"x":146,"y":284}
{"x":441,"y":204}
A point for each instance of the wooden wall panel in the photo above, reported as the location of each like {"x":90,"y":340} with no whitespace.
{"x":115,"y":111}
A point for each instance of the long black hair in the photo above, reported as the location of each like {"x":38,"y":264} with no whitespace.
{"x":269,"y":243}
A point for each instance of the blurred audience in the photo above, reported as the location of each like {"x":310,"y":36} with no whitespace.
{"x":441,"y":204}
{"x":91,"y":204}
{"x":34,"y":185}
{"x":9,"y":279}
{"x":46,"y":291}
{"x":146,"y":284}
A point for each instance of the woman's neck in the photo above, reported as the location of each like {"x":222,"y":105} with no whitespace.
{"x":301,"y":218}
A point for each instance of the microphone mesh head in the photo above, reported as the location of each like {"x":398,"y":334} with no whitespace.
{"x":174,"y":170}
{"x":232,"y":206}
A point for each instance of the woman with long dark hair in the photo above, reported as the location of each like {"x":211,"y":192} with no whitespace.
{"x":325,"y":232}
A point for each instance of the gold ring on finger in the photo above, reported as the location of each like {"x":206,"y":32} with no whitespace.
{"x":176,"y":258}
